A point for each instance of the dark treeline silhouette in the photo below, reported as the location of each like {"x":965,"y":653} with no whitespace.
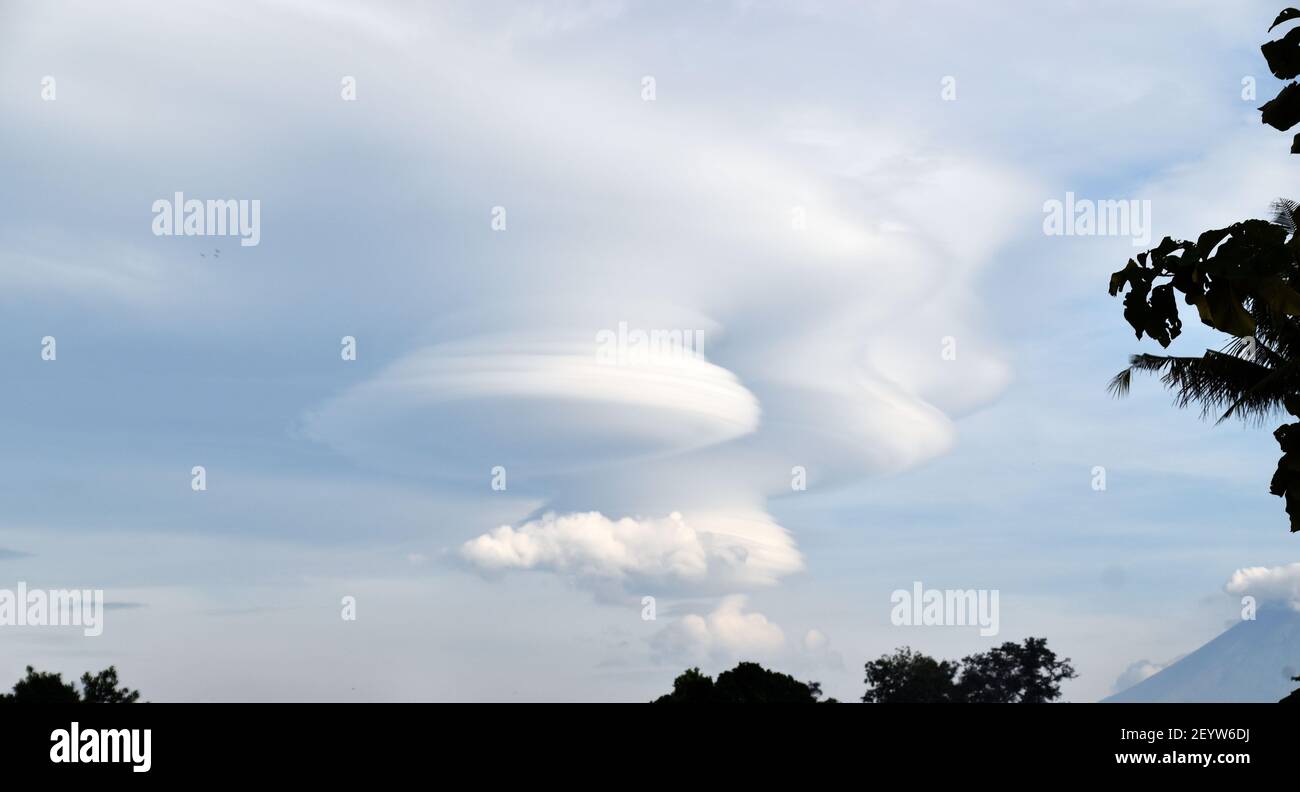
{"x":747,"y":683}
{"x":1011,"y":673}
{"x":42,"y":687}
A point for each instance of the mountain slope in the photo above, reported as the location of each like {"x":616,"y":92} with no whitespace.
{"x":1251,"y":662}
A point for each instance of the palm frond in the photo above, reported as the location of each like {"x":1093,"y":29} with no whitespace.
{"x":1215,"y":381}
{"x":1285,"y":213}
{"x":1121,"y":383}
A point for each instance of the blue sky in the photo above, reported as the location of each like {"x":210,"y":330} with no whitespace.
{"x":372,"y":478}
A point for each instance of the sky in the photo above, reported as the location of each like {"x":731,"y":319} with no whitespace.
{"x":842,"y":202}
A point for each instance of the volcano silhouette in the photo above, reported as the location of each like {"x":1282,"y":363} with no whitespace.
{"x":1253,"y":661}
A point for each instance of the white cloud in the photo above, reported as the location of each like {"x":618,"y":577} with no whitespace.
{"x":534,"y":406}
{"x":596,"y":550}
{"x":817,"y":651}
{"x":824,"y":343}
{"x":827,"y":351}
{"x":815,"y":641}
{"x":1279,"y":584}
{"x":726,"y":633}
{"x":1137,"y":672}
{"x":730,"y":633}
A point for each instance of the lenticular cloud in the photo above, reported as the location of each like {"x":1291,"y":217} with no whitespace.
{"x":806,"y":248}
{"x":534,"y":408}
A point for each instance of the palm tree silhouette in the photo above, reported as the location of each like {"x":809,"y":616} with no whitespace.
{"x":1243,"y":280}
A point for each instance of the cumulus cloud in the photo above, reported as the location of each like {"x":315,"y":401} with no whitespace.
{"x":730,"y":633}
{"x":726,"y":633}
{"x":1137,"y":672}
{"x":1278,"y":585}
{"x":817,"y":651}
{"x":593,"y":549}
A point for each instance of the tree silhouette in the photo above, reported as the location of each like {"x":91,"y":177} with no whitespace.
{"x":42,"y":687}
{"x":1243,"y":281}
{"x":747,"y":683}
{"x":690,"y":687}
{"x":910,"y":677}
{"x":1012,"y":673}
{"x":102,"y":689}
